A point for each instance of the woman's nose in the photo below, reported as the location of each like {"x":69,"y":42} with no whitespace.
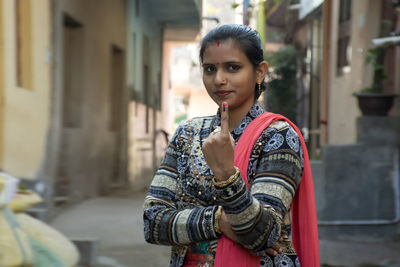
{"x":220,"y":77}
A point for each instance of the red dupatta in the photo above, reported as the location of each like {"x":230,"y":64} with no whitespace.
{"x":304,"y":218}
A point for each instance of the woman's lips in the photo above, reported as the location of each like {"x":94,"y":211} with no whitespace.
{"x":223,"y":93}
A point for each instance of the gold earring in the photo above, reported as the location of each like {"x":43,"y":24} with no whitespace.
{"x":259,"y":88}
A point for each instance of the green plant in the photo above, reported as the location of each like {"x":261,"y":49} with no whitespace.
{"x":376,"y":57}
{"x":281,"y":93}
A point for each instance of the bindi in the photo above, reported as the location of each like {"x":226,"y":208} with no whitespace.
{"x":218,"y":43}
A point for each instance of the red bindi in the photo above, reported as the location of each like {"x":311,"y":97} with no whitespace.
{"x":218,"y":43}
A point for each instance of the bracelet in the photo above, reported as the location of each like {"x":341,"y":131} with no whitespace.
{"x":217,"y":216}
{"x":231,"y":179}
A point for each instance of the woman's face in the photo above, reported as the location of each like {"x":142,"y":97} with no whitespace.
{"x":229,"y":76}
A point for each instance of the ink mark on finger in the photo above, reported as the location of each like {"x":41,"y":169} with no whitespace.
{"x":224,"y":106}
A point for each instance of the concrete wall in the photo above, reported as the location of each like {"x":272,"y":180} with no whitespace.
{"x":88,"y":153}
{"x":1,"y":83}
{"x":343,"y":108}
{"x":26,"y":111}
{"x":141,"y":25}
{"x":357,"y":185}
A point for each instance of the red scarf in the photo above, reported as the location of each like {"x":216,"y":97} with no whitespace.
{"x":304,"y":218}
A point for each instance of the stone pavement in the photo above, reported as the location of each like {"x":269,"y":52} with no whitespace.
{"x":116,"y":222}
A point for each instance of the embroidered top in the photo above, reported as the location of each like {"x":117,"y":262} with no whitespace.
{"x":181,"y":202}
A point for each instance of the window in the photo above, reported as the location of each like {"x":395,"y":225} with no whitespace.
{"x":345,"y":11}
{"x":23,"y":16}
{"x":147,"y":90}
{"x":343,"y":45}
{"x":137,"y":8}
{"x":135,"y":91}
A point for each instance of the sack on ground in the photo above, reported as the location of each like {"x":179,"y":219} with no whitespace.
{"x":51,"y":239}
{"x":23,"y":200}
{"x":15,"y":249}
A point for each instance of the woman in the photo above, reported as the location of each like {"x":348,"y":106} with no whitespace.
{"x":198,"y":193}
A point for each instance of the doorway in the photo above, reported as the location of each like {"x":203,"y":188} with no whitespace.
{"x":72,"y":103}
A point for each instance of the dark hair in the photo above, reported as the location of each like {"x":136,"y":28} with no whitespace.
{"x":245,"y":37}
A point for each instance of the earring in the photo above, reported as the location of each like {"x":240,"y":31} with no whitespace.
{"x":259,"y":88}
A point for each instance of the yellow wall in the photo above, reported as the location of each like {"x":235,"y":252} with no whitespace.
{"x":1,"y":83}
{"x":343,"y":109}
{"x":27,"y":111}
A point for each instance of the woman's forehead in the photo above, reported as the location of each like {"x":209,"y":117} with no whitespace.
{"x":222,"y":51}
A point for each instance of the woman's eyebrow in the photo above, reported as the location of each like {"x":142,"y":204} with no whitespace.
{"x":231,"y":62}
{"x":225,"y":62}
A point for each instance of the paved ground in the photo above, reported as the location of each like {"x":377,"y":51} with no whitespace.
{"x":117,"y":224}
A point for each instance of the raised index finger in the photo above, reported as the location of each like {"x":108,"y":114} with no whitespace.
{"x":224,"y":119}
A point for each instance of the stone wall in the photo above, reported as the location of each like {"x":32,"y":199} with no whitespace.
{"x":357,"y":185}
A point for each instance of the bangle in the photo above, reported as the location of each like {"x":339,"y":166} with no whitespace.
{"x":217,"y":216}
{"x":231,"y":179}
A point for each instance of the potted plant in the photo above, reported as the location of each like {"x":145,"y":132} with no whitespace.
{"x":372,"y":100}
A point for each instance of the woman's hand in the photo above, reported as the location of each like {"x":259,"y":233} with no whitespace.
{"x":219,"y":148}
{"x":275,"y":249}
{"x":226,"y":229}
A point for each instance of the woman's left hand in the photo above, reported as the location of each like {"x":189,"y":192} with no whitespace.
{"x":275,"y":249}
{"x":219,"y":148}
{"x":226,"y":228}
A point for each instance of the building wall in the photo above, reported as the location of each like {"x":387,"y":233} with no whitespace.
{"x":142,"y":25}
{"x":1,"y":83}
{"x":90,"y":155}
{"x":151,"y":37}
{"x":396,"y":108}
{"x":343,"y":109}
{"x":26,"y":111}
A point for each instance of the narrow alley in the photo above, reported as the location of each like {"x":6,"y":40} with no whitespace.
{"x":114,"y":226}
{"x":115,"y":223}
{"x":91,"y":92}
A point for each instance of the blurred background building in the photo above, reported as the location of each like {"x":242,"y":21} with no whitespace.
{"x":85,"y":94}
{"x":90,"y":92}
{"x":356,"y":154}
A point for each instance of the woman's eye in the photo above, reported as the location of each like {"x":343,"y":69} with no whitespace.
{"x":233,"y":67}
{"x":209,"y":69}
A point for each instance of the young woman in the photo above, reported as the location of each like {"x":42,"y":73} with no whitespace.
{"x":198,"y":194}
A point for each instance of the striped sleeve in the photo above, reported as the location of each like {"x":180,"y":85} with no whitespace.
{"x":256,"y":215}
{"x":166,"y":223}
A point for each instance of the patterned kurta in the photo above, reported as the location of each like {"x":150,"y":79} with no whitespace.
{"x":181,"y":203}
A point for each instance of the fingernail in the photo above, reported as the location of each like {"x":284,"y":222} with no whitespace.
{"x":224,"y":104}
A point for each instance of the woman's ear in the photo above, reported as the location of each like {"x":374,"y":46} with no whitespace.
{"x":261,"y":70}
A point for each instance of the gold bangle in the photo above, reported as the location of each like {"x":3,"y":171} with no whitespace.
{"x":217,"y":216}
{"x":231,"y":179}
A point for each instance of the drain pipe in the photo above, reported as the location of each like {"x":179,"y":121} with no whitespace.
{"x":396,"y":191}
